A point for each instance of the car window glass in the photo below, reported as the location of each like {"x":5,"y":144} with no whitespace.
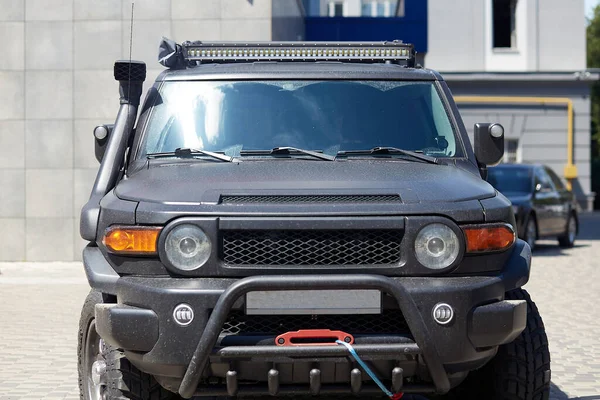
{"x":510,"y":180}
{"x":317,"y":115}
{"x":558,"y":183}
{"x":542,"y":178}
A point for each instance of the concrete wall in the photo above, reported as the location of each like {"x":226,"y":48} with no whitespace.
{"x":541,"y":130}
{"x":287,"y":22}
{"x":561,"y":35}
{"x":550,"y":36}
{"x":56,"y":84}
{"x":455,"y":31}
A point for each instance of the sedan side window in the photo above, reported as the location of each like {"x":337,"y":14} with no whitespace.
{"x":542,"y":181}
{"x":558,"y":183}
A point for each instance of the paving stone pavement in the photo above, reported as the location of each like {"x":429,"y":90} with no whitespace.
{"x":40,"y":303}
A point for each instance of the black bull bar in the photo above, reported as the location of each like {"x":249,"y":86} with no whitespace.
{"x":217,"y":319}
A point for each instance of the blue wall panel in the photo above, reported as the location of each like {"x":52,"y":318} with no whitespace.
{"x":412,"y":28}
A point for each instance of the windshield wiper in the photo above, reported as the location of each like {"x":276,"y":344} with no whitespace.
{"x":392,"y":150}
{"x":289,"y":150}
{"x":187,"y":152}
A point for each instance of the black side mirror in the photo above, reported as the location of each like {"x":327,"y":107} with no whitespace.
{"x":101,"y":136}
{"x":489,"y":143}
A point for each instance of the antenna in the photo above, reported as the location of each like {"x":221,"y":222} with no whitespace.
{"x":130,"y":45}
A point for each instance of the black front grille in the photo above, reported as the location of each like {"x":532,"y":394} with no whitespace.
{"x":342,"y":198}
{"x":311,"y":247}
{"x":389,"y":322}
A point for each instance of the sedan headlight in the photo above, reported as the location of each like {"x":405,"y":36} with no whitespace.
{"x":437,"y":246}
{"x":187,"y":247}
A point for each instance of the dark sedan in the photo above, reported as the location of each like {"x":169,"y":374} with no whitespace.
{"x":543,"y":206}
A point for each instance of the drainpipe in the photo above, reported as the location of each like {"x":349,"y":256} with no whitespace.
{"x":570,"y":170}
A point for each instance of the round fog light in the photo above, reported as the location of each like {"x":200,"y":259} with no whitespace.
{"x":443,"y":313}
{"x":183,"y":314}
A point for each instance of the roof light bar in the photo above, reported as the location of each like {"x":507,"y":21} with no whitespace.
{"x":231,"y":52}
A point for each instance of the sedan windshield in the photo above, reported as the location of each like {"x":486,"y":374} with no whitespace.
{"x":326,"y":116}
{"x":510,"y":180}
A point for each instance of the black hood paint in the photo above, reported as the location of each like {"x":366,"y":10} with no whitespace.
{"x":184,"y":181}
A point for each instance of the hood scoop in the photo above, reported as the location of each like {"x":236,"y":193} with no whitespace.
{"x":303,"y":199}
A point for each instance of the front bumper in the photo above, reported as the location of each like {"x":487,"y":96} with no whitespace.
{"x":141,"y":323}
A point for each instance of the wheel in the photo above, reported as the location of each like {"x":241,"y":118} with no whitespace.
{"x":519,"y":371}
{"x":531,"y":231}
{"x":568,"y":238}
{"x":104,"y":372}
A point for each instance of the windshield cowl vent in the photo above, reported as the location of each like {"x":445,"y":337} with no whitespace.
{"x":290,"y":199}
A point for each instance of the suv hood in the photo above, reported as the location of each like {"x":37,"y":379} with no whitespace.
{"x":204,"y":182}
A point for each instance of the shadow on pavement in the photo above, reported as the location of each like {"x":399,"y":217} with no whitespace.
{"x":589,"y":229}
{"x":557,"y":394}
{"x":589,"y":226}
{"x":551,"y":249}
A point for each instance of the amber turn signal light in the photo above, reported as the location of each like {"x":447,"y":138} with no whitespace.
{"x":131,"y":239}
{"x":486,"y":238}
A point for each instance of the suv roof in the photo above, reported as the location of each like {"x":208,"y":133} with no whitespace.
{"x":300,"y":70}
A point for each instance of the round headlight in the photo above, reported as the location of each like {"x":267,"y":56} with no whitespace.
{"x":437,"y":246}
{"x":187,"y":247}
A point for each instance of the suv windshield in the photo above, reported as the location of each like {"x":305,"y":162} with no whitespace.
{"x":327,"y":116}
{"x":510,"y":180}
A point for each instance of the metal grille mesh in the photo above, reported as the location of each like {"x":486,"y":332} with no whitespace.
{"x":246,"y":199}
{"x":390,"y":322}
{"x":311,"y":247}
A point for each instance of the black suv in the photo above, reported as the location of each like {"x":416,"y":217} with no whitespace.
{"x":543,"y":205}
{"x":301,"y":218}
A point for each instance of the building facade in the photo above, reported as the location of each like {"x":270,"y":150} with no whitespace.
{"x":56,"y":85}
{"x":521,"y":63}
{"x":56,"y":82}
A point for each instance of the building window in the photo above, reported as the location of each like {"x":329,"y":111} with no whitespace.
{"x":511,"y":151}
{"x":504,"y":23}
{"x":336,"y":9}
{"x":558,"y":183}
{"x":381,"y":8}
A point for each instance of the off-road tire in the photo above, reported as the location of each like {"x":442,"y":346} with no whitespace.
{"x":565,"y":240}
{"x":519,"y":371}
{"x":123,"y":380}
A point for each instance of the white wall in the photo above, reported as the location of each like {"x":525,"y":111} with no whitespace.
{"x":455,"y":34}
{"x":550,"y":37}
{"x":562,"y":35}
